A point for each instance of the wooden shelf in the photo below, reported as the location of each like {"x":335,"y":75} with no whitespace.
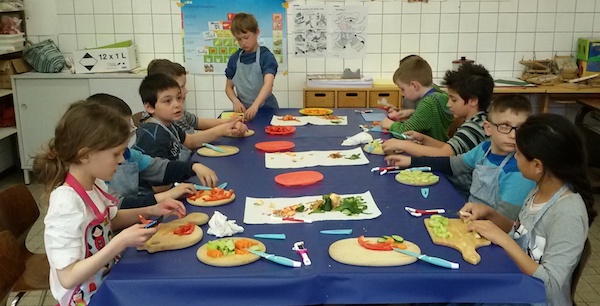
{"x":7,"y":131}
{"x":351,"y":97}
{"x":5,"y":92}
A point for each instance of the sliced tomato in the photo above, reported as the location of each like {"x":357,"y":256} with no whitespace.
{"x":185,"y":229}
{"x":379,"y":246}
{"x":217,"y":194}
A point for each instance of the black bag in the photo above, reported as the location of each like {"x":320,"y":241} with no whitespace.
{"x":44,"y":56}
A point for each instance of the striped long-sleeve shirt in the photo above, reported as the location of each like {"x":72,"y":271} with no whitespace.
{"x":431,"y":117}
{"x":469,"y":134}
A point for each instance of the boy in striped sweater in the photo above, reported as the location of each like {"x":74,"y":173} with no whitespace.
{"x":470,"y":89}
{"x":431,"y":117}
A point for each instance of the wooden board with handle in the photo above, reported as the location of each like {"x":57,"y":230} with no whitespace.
{"x":462,"y":239}
{"x":348,"y":251}
{"x":165,"y":239}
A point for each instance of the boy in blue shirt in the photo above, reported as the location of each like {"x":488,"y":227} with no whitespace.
{"x":251,"y":70}
{"x":125,"y":182}
{"x":489,"y":171}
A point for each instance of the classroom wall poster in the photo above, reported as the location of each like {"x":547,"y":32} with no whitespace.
{"x":207,"y":39}
{"x":329,"y":31}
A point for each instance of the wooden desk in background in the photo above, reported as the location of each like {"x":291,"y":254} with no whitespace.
{"x":559,"y":92}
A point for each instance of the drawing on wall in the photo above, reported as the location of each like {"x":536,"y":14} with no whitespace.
{"x":329,"y":31}
{"x":208,"y":42}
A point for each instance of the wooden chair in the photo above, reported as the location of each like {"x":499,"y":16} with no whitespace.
{"x":585,"y":256}
{"x":11,"y":264}
{"x":137,"y":118}
{"x":18,"y":213}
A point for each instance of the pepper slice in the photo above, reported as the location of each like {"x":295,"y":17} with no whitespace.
{"x":144,"y":220}
{"x":380,"y":246}
{"x":185,"y":229}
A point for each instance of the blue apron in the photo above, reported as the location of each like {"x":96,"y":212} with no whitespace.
{"x":248,"y":81}
{"x":485,"y":187}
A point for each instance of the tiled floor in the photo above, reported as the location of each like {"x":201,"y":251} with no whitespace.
{"x":588,"y":290}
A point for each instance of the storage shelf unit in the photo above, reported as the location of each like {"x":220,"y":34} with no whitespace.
{"x":351,"y":97}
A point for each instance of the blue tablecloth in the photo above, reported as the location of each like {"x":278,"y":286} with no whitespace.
{"x":178,"y":278}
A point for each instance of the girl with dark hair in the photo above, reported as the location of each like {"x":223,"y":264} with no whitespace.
{"x":547,"y":239}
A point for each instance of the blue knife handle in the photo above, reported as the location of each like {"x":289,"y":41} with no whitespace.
{"x":283,"y":261}
{"x":439,"y":262}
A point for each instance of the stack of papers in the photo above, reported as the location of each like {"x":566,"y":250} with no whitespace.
{"x":335,"y":80}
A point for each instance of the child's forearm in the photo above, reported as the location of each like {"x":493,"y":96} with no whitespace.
{"x":207,"y":123}
{"x":230,"y":92}
{"x":194,"y":141}
{"x":415,"y":149}
{"x":265,"y":90}
{"x":521,"y":259}
{"x":127,"y":217}
{"x":82,"y":270}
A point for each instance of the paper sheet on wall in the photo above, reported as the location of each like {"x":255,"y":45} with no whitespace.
{"x":329,"y":31}
{"x":260,"y":210}
{"x":304,"y":120}
{"x":293,"y":160}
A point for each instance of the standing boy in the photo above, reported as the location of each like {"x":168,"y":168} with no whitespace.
{"x":251,"y":70}
{"x":431,"y":117}
{"x":496,"y":179}
{"x":469,"y":89}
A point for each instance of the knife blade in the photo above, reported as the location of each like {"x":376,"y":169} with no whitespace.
{"x":277,"y":259}
{"x":198,"y":187}
{"x":212,"y":147}
{"x":222,"y":186}
{"x":430,"y":259}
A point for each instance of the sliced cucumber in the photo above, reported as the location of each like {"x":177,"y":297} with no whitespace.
{"x":398,"y":238}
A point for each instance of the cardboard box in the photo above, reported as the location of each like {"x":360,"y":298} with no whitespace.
{"x":588,"y":49}
{"x":112,"y":58}
{"x":588,"y":68}
{"x":10,"y":67}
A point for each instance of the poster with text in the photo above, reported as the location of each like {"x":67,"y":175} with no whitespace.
{"x":329,"y":31}
{"x":207,"y":39}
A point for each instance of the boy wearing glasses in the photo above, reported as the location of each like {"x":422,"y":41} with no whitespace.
{"x":489,"y":171}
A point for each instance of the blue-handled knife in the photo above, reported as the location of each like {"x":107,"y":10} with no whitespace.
{"x":430,"y":259}
{"x":277,"y":259}
{"x":214,"y":148}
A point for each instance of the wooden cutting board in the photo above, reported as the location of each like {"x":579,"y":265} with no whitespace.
{"x":348,"y":251}
{"x":229,"y":150}
{"x":165,"y":239}
{"x":230,"y":260}
{"x":462,"y":239}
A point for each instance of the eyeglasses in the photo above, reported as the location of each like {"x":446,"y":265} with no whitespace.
{"x":505,"y":128}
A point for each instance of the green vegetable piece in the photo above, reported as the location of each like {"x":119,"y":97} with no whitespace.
{"x":300,"y":208}
{"x":398,"y":238}
{"x":387,"y":237}
{"x":230,"y":244}
{"x":436,"y":217}
{"x":254,"y":248}
{"x":211,"y":245}
{"x":434,"y":223}
{"x":381,"y":239}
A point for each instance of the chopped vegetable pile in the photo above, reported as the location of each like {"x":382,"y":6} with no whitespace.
{"x":385,"y":243}
{"x":439,"y":223}
{"x":214,"y":194}
{"x":226,"y":247}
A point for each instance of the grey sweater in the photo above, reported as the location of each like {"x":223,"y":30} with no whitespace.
{"x":560,"y":237}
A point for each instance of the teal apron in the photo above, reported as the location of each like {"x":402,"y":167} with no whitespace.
{"x":248,"y":81}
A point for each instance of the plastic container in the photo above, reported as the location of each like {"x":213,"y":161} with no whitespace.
{"x":458,"y":62}
{"x":11,"y":42}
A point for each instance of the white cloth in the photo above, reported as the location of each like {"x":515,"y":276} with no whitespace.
{"x":358,"y":139}
{"x":220,"y":227}
{"x":65,"y":224}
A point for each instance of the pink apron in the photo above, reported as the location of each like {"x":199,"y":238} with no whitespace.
{"x":97,"y":235}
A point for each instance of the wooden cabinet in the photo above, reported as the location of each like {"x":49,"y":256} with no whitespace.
{"x":40,"y":100}
{"x":351,"y":97}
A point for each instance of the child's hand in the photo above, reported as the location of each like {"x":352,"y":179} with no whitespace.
{"x":474,"y":211}
{"x":239,"y":129}
{"x":386,"y":123}
{"x":489,"y":230}
{"x":205,"y":174}
{"x":398,"y":160}
{"x":392,"y":109}
{"x":167,"y":207}
{"x":238,"y":107}
{"x":179,"y":190}
{"x":394,"y":115}
{"x":393,"y":145}
{"x":134,"y":236}
{"x":251,"y":112}
{"x":415,"y":136}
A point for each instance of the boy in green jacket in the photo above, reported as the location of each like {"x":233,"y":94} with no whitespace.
{"x":431,"y":117}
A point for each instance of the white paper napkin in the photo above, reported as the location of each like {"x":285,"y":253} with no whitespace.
{"x":220,"y":227}
{"x":357,"y":139}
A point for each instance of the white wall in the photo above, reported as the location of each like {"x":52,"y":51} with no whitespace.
{"x":496,"y":34}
